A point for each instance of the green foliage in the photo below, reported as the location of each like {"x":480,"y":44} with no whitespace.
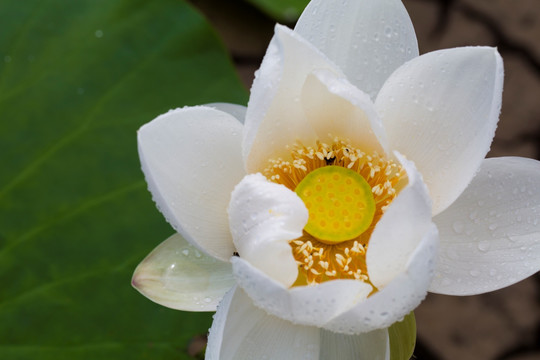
{"x":77,"y":79}
{"x":402,"y":338}
{"x":281,"y":10}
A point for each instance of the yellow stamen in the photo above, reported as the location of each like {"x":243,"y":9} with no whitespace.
{"x":326,"y":255}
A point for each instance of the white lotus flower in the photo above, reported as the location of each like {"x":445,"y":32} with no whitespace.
{"x":356,"y":184}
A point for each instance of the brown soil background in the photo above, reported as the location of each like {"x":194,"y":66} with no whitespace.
{"x":503,"y":325}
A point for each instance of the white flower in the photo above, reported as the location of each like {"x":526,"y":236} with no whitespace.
{"x":347,"y":89}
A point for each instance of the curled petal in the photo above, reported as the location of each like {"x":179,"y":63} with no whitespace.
{"x":264,"y":217}
{"x":440,"y":110}
{"x":367,"y":39}
{"x":275,"y":118}
{"x":403,"y":294}
{"x":176,"y":275}
{"x":334,"y":107}
{"x":400,"y":229}
{"x":241,"y":331}
{"x":307,"y":305}
{"x":490,"y":237}
{"x":192,"y":160}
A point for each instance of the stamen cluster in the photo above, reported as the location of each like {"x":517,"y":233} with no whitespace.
{"x":318,"y":261}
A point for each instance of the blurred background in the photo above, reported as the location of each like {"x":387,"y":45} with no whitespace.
{"x":77,"y":78}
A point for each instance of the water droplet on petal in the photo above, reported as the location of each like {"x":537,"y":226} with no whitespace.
{"x":484,"y":245}
{"x":458,"y":227}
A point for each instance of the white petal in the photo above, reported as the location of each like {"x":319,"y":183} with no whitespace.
{"x":264,"y":217}
{"x":238,"y":111}
{"x":397,"y":299}
{"x":373,"y":345}
{"x":175,"y":274}
{"x":191,"y":158}
{"x":440,"y":110}
{"x":334,"y":107}
{"x":307,"y":305}
{"x":490,"y":237}
{"x":367,"y":39}
{"x":400,"y":229}
{"x":275,"y":118}
{"x":241,"y":331}
{"x":216,"y":332}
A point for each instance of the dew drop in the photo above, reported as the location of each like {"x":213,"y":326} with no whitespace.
{"x":484,"y":245}
{"x":458,"y":227}
{"x":388,"y":31}
{"x":474,"y":273}
{"x":98,"y":33}
{"x":185,"y":252}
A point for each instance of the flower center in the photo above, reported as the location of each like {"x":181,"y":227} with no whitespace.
{"x":346,"y":191}
{"x":339,"y":201}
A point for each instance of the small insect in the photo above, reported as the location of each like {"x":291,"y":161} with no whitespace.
{"x":236,"y":254}
{"x":330,"y":161}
